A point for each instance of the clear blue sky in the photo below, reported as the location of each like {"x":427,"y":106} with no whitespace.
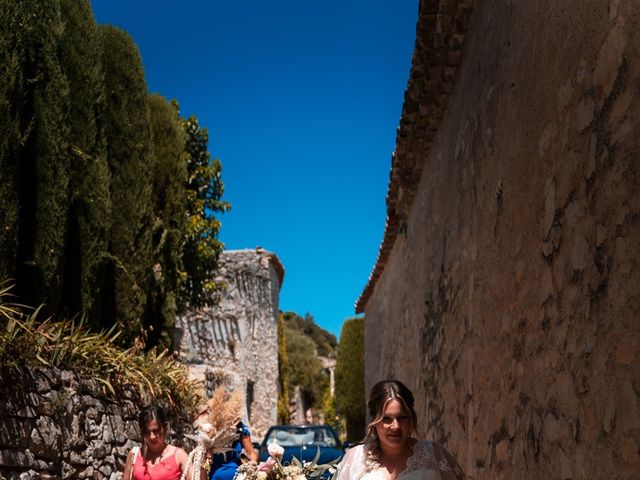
{"x":302,"y":99}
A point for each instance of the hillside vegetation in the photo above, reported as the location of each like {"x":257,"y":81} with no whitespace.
{"x":304,"y":342}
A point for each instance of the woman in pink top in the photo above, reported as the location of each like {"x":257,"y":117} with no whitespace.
{"x":156,"y":460}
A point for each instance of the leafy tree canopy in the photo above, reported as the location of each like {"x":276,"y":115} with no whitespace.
{"x":204,"y":199}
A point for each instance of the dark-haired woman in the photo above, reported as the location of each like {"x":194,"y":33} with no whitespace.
{"x":157,"y":459}
{"x":389,"y":451}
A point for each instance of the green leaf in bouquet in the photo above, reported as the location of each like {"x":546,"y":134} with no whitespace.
{"x":317,"y":457}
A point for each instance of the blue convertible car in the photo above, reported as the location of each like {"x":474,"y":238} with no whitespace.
{"x":303,"y":443}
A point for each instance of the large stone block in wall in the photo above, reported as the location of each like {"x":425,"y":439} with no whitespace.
{"x":235,"y":342}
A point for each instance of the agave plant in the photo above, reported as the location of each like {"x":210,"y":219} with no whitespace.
{"x":69,"y":344}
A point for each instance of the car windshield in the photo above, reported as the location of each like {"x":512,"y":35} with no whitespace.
{"x":294,"y":436}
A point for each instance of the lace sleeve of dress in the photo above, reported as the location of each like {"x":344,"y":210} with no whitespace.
{"x":348,"y":466}
{"x":449,"y":468}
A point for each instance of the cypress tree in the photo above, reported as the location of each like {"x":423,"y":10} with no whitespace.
{"x":130,"y":159}
{"x":90,"y":207}
{"x":12,"y":126}
{"x":52,"y":164}
{"x":169,"y":208}
{"x":350,"y":394}
{"x":35,"y":150}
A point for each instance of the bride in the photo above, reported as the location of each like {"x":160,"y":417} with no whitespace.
{"x":389,"y":452}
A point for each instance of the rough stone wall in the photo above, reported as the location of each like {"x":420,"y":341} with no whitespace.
{"x":235,"y":343}
{"x":54,"y":425}
{"x":509,"y":297}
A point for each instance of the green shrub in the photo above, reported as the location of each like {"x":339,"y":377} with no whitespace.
{"x":26,"y":340}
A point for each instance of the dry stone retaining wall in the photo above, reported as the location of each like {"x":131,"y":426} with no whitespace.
{"x":54,"y":425}
{"x":508,"y":297}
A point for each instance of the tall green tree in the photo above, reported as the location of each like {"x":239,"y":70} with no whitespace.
{"x":131,"y":166}
{"x":205,"y":188}
{"x":86,"y":242}
{"x":13,"y":127}
{"x":169,"y":207}
{"x":350,"y":394}
{"x":34,"y":150}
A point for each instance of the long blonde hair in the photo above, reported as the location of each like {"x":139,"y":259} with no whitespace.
{"x":379,"y":397}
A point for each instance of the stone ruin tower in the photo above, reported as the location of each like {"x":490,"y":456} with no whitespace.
{"x":235,"y":343}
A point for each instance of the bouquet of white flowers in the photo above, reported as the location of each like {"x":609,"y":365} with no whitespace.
{"x":274,"y":469}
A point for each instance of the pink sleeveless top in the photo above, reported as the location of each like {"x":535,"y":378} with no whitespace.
{"x":165,"y":469}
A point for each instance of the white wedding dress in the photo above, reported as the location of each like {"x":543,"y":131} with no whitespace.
{"x":429,"y":461}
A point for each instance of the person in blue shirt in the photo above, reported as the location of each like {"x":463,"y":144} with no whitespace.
{"x":224,"y":465}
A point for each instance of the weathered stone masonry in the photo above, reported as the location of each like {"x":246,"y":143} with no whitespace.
{"x":510,"y":260}
{"x":235,"y":343}
{"x":55,"y":425}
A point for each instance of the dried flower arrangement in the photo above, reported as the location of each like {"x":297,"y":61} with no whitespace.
{"x":216,"y":429}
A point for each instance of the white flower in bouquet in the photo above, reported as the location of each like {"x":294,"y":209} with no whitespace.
{"x":206,"y":427}
{"x":275,"y":450}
